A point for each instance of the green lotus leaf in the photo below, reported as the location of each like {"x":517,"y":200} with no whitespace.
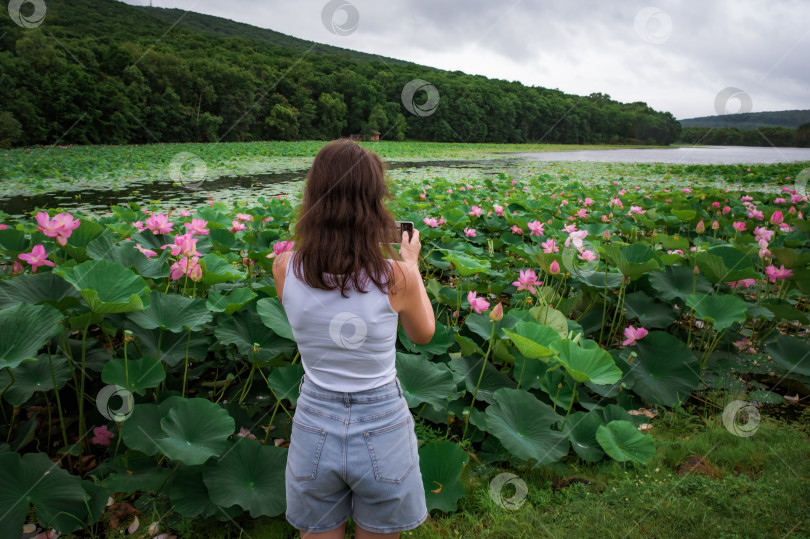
{"x":676,"y":282}
{"x":532,"y":339}
{"x":231,"y":303}
{"x":58,"y":497}
{"x":424,"y":381}
{"x":34,"y":375}
{"x":173,"y":346}
{"x":274,"y":316}
{"x":551,"y":318}
{"x":26,"y":328}
{"x":468,"y":369}
{"x":442,"y":339}
{"x":246,"y":330}
{"x":284,"y":381}
{"x":724,"y":263}
{"x":665,"y":371}
{"x":249,"y":474}
{"x":650,"y":313}
{"x":581,"y":430}
{"x":587,"y":365}
{"x":136,"y":375}
{"x":189,"y":494}
{"x":622,"y":441}
{"x":441,"y":464}
{"x":34,"y":288}
{"x":218,"y":270}
{"x":523,"y":425}
{"x":142,"y":427}
{"x":720,"y":311}
{"x":107,"y":287}
{"x":172,"y":312}
{"x":465,"y":264}
{"x":792,"y":353}
{"x":195,"y":430}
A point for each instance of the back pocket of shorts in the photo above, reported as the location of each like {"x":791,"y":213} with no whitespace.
{"x":392,"y":450}
{"x":306,"y":444}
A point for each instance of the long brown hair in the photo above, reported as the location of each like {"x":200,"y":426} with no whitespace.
{"x":343,"y":221}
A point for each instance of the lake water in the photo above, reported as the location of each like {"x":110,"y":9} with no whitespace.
{"x":698,"y":155}
{"x":250,"y":187}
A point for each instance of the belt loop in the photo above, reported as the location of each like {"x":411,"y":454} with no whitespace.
{"x":399,"y":387}
{"x":301,"y":383}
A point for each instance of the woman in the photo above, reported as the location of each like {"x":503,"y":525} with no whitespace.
{"x":353,"y":450}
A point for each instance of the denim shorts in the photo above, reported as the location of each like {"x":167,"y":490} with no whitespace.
{"x":354,"y":455}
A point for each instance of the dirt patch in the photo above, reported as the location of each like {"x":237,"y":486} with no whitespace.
{"x":696,"y":464}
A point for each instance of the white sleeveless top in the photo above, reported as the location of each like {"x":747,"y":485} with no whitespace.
{"x":346,"y":344}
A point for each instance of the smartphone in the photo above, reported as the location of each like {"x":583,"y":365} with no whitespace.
{"x":402,"y":226}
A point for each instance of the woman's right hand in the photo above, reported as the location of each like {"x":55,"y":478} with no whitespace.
{"x":409,"y":250}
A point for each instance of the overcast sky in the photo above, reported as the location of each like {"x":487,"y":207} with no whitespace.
{"x":674,"y":55}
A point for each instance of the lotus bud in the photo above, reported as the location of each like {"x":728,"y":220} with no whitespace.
{"x":497,"y":313}
{"x":777,"y":218}
{"x":715,"y":225}
{"x":554,"y":268}
{"x":700,"y":228}
{"x":606,"y":235}
{"x":17,"y":268}
{"x":696,"y":270}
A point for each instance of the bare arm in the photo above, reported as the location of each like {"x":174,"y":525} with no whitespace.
{"x":416,"y":314}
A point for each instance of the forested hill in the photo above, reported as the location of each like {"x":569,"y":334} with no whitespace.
{"x":791,"y":119}
{"x":104,"y":72}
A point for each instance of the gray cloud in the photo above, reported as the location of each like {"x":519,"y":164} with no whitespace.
{"x":580,"y":46}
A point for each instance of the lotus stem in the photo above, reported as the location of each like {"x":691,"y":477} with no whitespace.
{"x":480,"y":377}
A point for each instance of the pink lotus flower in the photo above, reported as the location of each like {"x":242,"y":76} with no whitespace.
{"x":576,"y":238}
{"x":739,"y":226}
{"x":779,"y":200}
{"x":17,"y":268}
{"x":61,"y":227}
{"x":527,"y":281}
{"x":550,"y":246}
{"x":616,"y":202}
{"x":422,"y":195}
{"x":187,"y":266}
{"x":470,"y":232}
{"x":281,"y":247}
{"x":568,"y":229}
{"x":755,"y":214}
{"x":450,"y":191}
{"x":477,"y":304}
{"x":587,"y":256}
{"x":102,"y":436}
{"x":784,"y":227}
{"x":588,"y":201}
{"x":632,"y":335}
{"x":726,"y":209}
{"x":148,"y":253}
{"x":536,"y":228}
{"x":244,"y":217}
{"x":715,"y":204}
{"x":159,"y":224}
{"x":184,"y":213}
{"x":637,"y":210}
{"x":700,"y":228}
{"x":747,"y":283}
{"x":746,"y":198}
{"x":497,"y":313}
{"x":675,"y":252}
{"x":517,"y":230}
{"x":554,"y":268}
{"x":476,"y":211}
{"x":715,"y":225}
{"x":3,"y":227}
{"x":781,"y":273}
{"x":441,"y":221}
{"x":761,"y":233}
{"x":139,"y":226}
{"x":431,"y":221}
{"x":245,"y":433}
{"x":498,"y":209}
{"x":37,"y":257}
{"x":197,"y":226}
{"x":184,"y":245}
{"x":236,"y":226}
{"x":777,"y":217}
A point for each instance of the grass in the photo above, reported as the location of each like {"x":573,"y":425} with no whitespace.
{"x":757,"y":486}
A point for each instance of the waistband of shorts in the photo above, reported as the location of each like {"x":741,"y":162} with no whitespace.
{"x":392,"y":389}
